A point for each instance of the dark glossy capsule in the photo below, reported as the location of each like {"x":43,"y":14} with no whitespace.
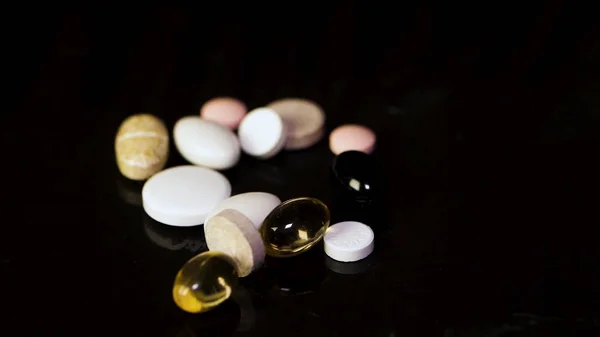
{"x":357,"y":177}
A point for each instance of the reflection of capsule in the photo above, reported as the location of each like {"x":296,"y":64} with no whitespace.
{"x":299,"y":275}
{"x":374,"y":215}
{"x":174,"y":238}
{"x":222,"y":321}
{"x":247,"y":312}
{"x":130,"y":191}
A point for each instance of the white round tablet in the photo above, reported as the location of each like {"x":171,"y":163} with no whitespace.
{"x":183,"y":195}
{"x":254,"y":205}
{"x":349,"y":241}
{"x":304,"y":119}
{"x":262,"y":133}
{"x":206,"y":143}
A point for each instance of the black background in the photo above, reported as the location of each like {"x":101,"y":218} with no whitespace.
{"x":487,"y":120}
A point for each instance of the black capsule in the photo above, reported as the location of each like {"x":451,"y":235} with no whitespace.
{"x":357,"y":177}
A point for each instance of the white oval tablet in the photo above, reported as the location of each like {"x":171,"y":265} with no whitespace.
{"x":304,"y":119}
{"x":254,"y":205}
{"x":183,"y":195}
{"x":349,"y":241}
{"x":262,"y":133}
{"x":206,"y":143}
{"x":232,"y":233}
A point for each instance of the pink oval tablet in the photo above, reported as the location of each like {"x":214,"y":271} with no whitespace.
{"x":352,"y":137}
{"x":226,"y":111}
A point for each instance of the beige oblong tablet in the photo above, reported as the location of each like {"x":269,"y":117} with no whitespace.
{"x":141,"y":146}
{"x":234,"y":234}
{"x":304,"y":119}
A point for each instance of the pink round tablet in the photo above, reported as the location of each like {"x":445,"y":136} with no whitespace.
{"x":226,"y":111}
{"x":352,"y":137}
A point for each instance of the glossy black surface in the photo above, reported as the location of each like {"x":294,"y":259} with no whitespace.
{"x":358,"y":177}
{"x":487,"y":120}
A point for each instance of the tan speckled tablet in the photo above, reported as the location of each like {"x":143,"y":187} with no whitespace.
{"x":234,"y":234}
{"x":141,"y":146}
{"x":304,"y":119}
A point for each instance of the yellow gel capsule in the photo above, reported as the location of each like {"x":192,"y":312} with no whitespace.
{"x":294,"y":227}
{"x":204,"y":282}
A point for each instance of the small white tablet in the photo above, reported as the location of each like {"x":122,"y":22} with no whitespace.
{"x":262,"y":133}
{"x":349,"y":241}
{"x":184,"y":195}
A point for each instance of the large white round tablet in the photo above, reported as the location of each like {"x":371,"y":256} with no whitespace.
{"x":304,"y":119}
{"x":254,"y":205}
{"x":262,"y":133}
{"x":184,"y":195}
{"x":349,"y":241}
{"x":206,"y":143}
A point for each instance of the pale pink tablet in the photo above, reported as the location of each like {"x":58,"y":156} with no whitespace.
{"x":226,"y":111}
{"x":352,"y":137}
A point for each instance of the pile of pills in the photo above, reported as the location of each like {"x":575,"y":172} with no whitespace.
{"x":241,"y":229}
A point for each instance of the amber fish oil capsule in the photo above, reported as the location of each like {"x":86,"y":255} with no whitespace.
{"x":204,"y":282}
{"x":294,"y":226}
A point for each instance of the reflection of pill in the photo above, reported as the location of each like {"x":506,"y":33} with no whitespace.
{"x":206,"y":143}
{"x":247,"y":311}
{"x":226,"y":111}
{"x":184,"y":195}
{"x":352,"y":137}
{"x":262,"y":133}
{"x":349,"y":241}
{"x":305,"y":121}
{"x":234,"y":234}
{"x":349,"y":268}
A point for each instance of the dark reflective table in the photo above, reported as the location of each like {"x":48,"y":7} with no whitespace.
{"x":487,"y":122}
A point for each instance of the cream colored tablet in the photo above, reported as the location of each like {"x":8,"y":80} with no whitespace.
{"x":254,"y":205}
{"x":234,"y":234}
{"x":206,"y":143}
{"x":304,"y":119}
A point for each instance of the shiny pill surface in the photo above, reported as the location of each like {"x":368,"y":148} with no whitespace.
{"x":294,"y":227}
{"x":204,"y":282}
